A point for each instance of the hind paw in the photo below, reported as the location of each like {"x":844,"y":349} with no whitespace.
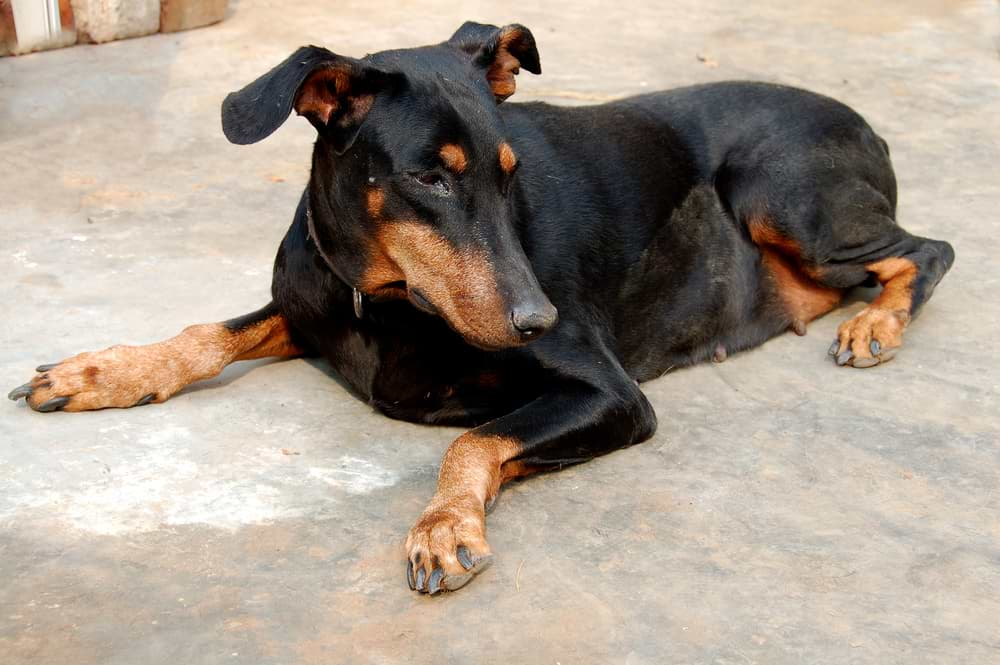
{"x":870,"y":338}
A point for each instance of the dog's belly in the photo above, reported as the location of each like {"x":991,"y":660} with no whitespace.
{"x":699,"y":287}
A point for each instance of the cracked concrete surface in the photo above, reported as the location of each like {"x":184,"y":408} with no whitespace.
{"x":787,"y":511}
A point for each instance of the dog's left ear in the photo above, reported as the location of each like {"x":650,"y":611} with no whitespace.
{"x":501,"y":52}
{"x":333,"y":92}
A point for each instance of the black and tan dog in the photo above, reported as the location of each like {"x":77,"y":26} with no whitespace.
{"x":441,"y":232}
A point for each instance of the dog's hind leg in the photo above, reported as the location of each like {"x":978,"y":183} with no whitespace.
{"x":851,"y":242}
{"x":824,"y":221}
{"x":124,"y":376}
{"x":908,"y":275}
{"x":872,"y":248}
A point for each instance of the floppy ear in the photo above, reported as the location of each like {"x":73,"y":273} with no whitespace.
{"x":501,"y":52}
{"x":333,"y":92}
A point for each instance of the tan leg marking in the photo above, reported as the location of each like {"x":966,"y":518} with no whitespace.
{"x":122,"y":376}
{"x":804,"y":297}
{"x":515,"y":469}
{"x":883,"y":321}
{"x":473,"y":469}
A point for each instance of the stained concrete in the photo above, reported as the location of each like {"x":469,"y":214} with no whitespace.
{"x":787,"y":511}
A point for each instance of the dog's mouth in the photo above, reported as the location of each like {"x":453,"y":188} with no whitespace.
{"x":478,"y":332}
{"x":401,"y":290}
{"x":390,"y":291}
{"x":421,"y":302}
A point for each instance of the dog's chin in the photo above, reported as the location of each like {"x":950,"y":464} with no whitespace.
{"x":492,"y":346}
{"x":471,"y":335}
{"x":488,"y":342}
{"x":485,"y":342}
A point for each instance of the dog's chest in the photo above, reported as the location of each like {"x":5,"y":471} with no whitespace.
{"x":435,"y":384}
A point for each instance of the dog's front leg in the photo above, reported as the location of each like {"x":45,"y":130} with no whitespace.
{"x":125,"y":376}
{"x":573,"y":423}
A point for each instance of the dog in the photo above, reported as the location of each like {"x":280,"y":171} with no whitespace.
{"x":519,"y":269}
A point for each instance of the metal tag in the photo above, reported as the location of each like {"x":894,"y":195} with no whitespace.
{"x":359,"y":305}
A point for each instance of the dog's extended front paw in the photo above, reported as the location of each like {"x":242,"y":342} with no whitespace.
{"x":872,"y":337}
{"x":121,"y":376}
{"x":447,"y":546}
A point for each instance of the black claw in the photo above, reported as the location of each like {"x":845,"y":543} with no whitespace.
{"x":875,"y":347}
{"x":434,"y":583}
{"x":409,"y":575}
{"x":834,"y":347}
{"x":20,"y":391}
{"x":420,"y":579}
{"x":845,"y":357}
{"x":46,"y":368}
{"x":146,"y":400}
{"x":53,"y":404}
{"x":464,"y":558}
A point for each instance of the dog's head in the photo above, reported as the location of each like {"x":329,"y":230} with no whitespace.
{"x":412,"y":174}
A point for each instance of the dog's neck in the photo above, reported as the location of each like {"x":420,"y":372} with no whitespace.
{"x":357,"y":296}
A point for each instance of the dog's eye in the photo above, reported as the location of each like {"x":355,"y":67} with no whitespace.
{"x":433,"y":180}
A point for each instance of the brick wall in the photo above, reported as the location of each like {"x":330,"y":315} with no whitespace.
{"x":54,"y":23}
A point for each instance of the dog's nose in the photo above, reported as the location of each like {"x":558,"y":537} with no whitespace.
{"x":534,"y":320}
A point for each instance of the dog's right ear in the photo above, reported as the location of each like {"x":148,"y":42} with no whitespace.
{"x":501,"y":52}
{"x":333,"y":92}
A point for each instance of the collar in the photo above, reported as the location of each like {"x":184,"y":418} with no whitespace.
{"x":358,"y":297}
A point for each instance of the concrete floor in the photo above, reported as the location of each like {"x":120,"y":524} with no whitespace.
{"x":788,"y":511}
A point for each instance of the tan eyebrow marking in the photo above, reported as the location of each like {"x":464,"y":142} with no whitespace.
{"x":453,"y":157}
{"x":507,"y":159}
